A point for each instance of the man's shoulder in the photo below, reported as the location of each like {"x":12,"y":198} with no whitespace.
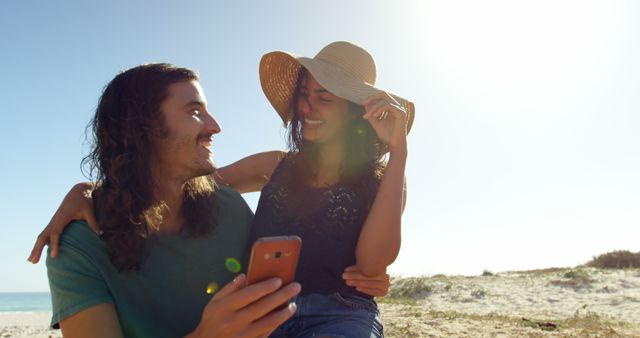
{"x":228,"y":197}
{"x":80,"y":238}
{"x":80,"y":231}
{"x":223,"y":190}
{"x":231,"y":209}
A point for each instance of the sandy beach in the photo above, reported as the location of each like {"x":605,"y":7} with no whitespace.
{"x":579,"y":302}
{"x":26,"y":324}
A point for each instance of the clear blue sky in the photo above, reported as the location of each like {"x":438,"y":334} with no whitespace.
{"x":524,"y":153}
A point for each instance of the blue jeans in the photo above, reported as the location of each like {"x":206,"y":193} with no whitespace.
{"x":333,"y":315}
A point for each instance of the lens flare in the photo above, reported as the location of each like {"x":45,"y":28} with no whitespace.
{"x":233,"y":265}
{"x":212,"y":288}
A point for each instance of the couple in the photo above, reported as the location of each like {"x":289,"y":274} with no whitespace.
{"x":172,"y":227}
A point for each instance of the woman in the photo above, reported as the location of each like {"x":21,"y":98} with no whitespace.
{"x":332,"y":188}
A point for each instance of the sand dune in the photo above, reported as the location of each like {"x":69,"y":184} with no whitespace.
{"x":544,"y":303}
{"x":583,"y":302}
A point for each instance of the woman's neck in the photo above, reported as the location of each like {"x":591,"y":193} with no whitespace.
{"x":330,"y":157}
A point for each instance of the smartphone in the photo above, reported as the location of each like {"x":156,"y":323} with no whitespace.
{"x":274,"y":257}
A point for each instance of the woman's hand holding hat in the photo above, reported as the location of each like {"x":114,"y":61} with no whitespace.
{"x":389,"y":119}
{"x":343,"y":68}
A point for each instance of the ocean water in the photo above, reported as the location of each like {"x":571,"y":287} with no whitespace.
{"x":25,"y":302}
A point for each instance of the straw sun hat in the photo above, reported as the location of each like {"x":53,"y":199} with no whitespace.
{"x":342,"y":68}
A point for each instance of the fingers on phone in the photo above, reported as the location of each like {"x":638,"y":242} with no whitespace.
{"x":233,"y":286}
{"x":271,"y":301}
{"x":267,"y":324}
{"x":259,"y":315}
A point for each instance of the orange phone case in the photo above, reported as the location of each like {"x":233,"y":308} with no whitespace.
{"x":274,"y":257}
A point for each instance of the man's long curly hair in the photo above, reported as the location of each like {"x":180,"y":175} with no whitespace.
{"x":127,"y":123}
{"x":363,"y":162}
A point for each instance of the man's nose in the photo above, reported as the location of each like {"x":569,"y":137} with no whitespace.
{"x":212,"y":124}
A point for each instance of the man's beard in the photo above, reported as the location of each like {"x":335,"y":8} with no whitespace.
{"x":204,"y":169}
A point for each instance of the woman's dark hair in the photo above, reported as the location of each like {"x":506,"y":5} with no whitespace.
{"x":363,"y":160}
{"x":126,"y":125}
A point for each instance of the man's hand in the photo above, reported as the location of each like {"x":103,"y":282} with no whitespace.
{"x":238,"y":311}
{"x":377,"y":286}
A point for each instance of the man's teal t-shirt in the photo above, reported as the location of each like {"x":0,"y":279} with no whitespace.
{"x":166,"y":297}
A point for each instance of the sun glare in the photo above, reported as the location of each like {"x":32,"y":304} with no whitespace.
{"x":514,"y":50}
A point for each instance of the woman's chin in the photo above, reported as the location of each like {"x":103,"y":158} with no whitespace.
{"x":310,"y":137}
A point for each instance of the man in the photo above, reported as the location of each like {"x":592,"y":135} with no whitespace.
{"x":164,"y":246}
{"x":170,"y":237}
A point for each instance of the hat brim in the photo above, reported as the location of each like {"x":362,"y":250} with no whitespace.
{"x":279,"y":73}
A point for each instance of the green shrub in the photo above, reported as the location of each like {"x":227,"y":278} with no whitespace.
{"x":575,"y":279}
{"x":620,"y":259}
{"x":412,"y":287}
